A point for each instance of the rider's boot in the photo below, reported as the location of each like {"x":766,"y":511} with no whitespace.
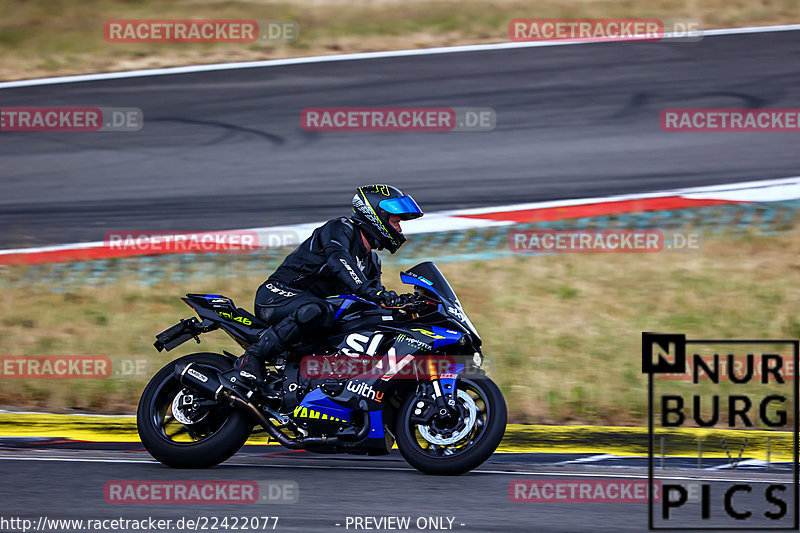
{"x":272,"y":343}
{"x":250,"y":365}
{"x":274,"y":340}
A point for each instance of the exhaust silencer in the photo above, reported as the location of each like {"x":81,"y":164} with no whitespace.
{"x":204,"y":382}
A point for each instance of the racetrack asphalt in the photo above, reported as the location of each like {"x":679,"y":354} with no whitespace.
{"x":64,"y":484}
{"x":225,"y":149}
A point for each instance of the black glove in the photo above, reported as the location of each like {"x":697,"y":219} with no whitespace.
{"x":388,"y":298}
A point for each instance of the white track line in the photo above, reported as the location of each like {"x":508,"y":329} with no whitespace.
{"x":360,"y":56}
{"x":750,"y":191}
{"x":408,"y":469}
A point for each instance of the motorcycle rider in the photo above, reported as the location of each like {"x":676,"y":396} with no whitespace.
{"x":339,"y":257}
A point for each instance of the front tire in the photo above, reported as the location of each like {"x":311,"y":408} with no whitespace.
{"x":191,"y":437}
{"x":473,"y":442}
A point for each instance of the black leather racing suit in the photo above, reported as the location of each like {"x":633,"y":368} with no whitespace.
{"x":334,"y":260}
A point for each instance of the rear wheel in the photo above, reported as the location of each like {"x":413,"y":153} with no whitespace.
{"x":181,"y":429}
{"x":453,"y":445}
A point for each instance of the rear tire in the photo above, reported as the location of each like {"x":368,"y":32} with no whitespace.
{"x":225,"y":430}
{"x":477,"y":445}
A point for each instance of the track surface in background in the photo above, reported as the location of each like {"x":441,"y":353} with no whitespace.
{"x":225,"y":149}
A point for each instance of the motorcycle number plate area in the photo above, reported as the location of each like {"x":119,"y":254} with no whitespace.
{"x":176,"y":335}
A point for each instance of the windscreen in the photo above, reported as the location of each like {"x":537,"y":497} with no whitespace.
{"x":428,"y":276}
{"x":432,"y":279}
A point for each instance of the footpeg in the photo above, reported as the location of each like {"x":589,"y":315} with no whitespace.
{"x":246,"y":384}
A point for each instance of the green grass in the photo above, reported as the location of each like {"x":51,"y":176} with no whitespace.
{"x":48,"y":37}
{"x":562,"y":333}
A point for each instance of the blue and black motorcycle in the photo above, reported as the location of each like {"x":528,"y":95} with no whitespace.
{"x":410,"y":375}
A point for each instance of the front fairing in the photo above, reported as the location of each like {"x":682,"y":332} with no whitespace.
{"x":429,"y":280}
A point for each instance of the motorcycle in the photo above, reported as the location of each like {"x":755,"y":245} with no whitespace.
{"x":410,"y":375}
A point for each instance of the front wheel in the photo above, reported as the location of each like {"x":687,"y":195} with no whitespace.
{"x":454,"y":445}
{"x":183,"y":430}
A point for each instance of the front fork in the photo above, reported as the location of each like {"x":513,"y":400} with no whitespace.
{"x":438,"y":396}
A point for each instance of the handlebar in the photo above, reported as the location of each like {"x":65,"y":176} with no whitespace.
{"x":412,"y":300}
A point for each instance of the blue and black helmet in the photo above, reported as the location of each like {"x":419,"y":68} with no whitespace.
{"x":372,"y":207}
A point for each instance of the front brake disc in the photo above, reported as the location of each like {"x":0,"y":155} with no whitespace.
{"x":472,"y":415}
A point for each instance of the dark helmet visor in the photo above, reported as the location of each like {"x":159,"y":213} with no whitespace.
{"x":403,"y":206}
